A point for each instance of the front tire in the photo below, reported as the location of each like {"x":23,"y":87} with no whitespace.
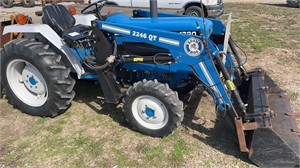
{"x":294,"y":4}
{"x":153,"y":108}
{"x":7,"y":3}
{"x":35,"y":78}
{"x":28,"y":3}
{"x":194,"y":11}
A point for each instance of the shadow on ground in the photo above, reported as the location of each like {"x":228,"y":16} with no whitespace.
{"x":220,"y":137}
{"x":89,"y":93}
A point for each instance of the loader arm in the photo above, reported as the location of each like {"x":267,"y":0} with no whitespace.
{"x":201,"y":65}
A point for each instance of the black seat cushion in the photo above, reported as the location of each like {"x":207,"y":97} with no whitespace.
{"x":58,"y":18}
{"x":75,"y":33}
{"x":78,"y":28}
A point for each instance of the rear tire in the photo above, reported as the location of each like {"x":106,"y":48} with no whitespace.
{"x":35,"y":78}
{"x":28,"y":3}
{"x":294,"y":4}
{"x":194,"y":11}
{"x":153,"y":108}
{"x":7,"y":3}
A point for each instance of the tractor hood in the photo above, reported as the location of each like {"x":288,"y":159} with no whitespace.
{"x":186,"y":25}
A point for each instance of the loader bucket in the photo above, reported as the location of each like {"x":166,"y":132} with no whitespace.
{"x":268,"y":132}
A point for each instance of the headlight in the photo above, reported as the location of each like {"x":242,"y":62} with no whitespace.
{"x":220,"y":2}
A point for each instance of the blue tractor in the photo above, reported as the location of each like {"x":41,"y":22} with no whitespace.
{"x":153,"y":57}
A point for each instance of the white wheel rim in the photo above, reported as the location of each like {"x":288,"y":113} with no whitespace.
{"x":150,"y":112}
{"x":27,"y":83}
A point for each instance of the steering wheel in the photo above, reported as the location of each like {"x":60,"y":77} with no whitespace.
{"x":94,"y":8}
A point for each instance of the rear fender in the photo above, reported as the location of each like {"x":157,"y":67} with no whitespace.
{"x":52,"y":37}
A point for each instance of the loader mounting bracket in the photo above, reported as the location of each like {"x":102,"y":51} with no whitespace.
{"x":240,"y":128}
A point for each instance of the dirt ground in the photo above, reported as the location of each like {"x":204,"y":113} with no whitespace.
{"x":94,"y":134}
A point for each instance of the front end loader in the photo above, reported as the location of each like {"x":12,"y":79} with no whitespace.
{"x":144,"y":61}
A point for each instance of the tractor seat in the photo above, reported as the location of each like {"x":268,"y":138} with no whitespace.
{"x":61,"y":20}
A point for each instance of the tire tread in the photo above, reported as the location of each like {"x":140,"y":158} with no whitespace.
{"x":163,"y":92}
{"x":57,"y":75}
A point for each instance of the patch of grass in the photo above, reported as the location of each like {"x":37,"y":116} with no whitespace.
{"x":264,"y":27}
{"x":154,"y":155}
{"x":82,"y":146}
{"x":180,"y":149}
{"x":12,"y":155}
{"x":80,"y":140}
{"x":9,"y":158}
{"x":258,"y":47}
{"x":35,"y":131}
{"x":294,"y":94}
{"x":52,"y":146}
{"x":176,"y":135}
{"x":138,"y":134}
{"x":153,"y":152}
{"x":209,"y":162}
{"x":55,"y":129}
{"x":71,"y":150}
{"x":121,"y":157}
{"x":86,"y":121}
{"x":40,"y":126}
{"x":117,"y":141}
{"x":78,"y":163}
{"x":95,"y":147}
{"x":40,"y":121}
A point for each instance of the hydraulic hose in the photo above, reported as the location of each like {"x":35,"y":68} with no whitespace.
{"x":106,"y":64}
{"x":230,"y":85}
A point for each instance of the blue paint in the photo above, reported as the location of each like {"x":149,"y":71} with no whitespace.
{"x":32,"y":81}
{"x":174,"y":24}
{"x":90,"y":76}
{"x":81,"y":53}
{"x":166,"y":29}
{"x":150,"y":112}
